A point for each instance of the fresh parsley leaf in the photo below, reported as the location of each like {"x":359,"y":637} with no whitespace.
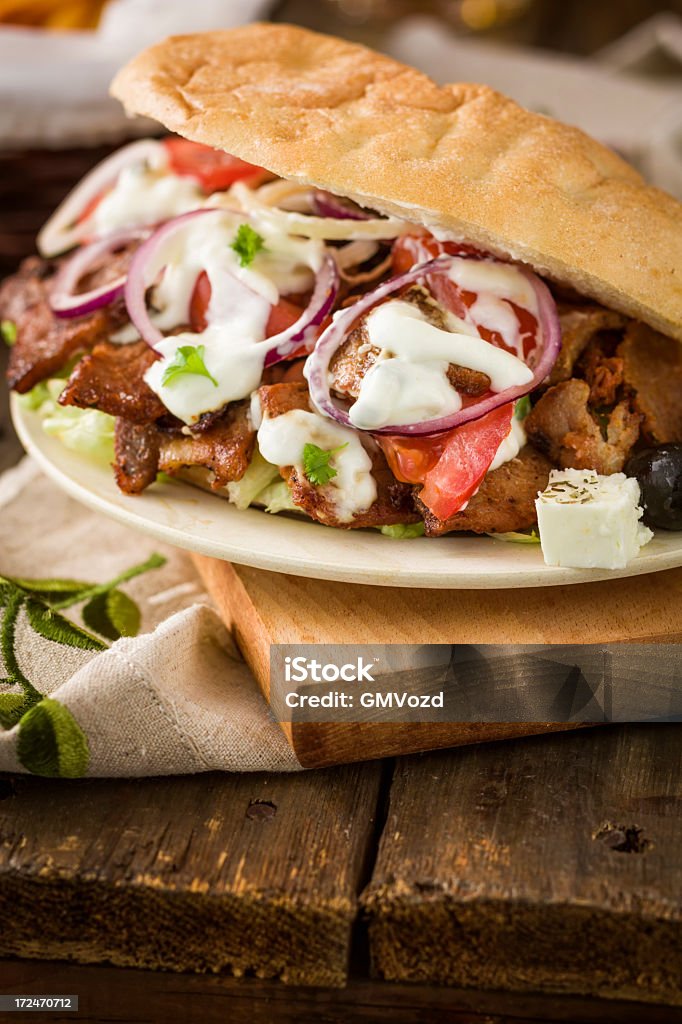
{"x":403,"y":531}
{"x":189,"y":359}
{"x":8,"y":329}
{"x":316,"y":463}
{"x":247,"y":244}
{"x":522,"y":408}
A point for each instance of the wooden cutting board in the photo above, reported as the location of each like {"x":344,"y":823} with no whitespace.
{"x":263,"y":608}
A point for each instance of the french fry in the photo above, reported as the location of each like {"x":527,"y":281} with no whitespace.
{"x":52,"y":14}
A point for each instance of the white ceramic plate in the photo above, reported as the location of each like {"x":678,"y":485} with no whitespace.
{"x":190,"y":518}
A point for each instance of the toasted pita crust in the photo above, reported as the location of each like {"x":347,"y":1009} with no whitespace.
{"x":461,"y":159}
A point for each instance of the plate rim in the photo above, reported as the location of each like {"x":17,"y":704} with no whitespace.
{"x":29,"y":430}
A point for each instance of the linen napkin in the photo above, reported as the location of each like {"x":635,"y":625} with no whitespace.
{"x":113,"y":661}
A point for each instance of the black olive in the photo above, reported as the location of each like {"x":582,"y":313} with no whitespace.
{"x":659,"y":473}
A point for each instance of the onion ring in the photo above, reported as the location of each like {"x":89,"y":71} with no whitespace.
{"x":317,"y":366}
{"x":146,"y":266}
{"x":60,"y":233}
{"x":64,"y":300}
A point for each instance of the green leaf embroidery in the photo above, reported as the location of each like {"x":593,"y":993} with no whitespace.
{"x":124,"y":614}
{"x":54,"y":590}
{"x":113,"y":615}
{"x":51,"y":743}
{"x":53,"y":626}
{"x":12,"y":598}
{"x":153,"y":562}
{"x":12,"y":707}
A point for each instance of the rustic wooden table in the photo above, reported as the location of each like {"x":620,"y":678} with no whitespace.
{"x":536,"y":880}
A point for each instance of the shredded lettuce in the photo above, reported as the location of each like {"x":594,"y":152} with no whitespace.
{"x":86,"y":431}
{"x":257,"y":478}
{"x":522,"y":407}
{"x":277,"y":498}
{"x":518,"y":538}
{"x":8,"y":330}
{"x":403,"y":531}
{"x":34,"y":398}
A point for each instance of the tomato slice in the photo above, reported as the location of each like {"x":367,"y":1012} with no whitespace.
{"x":199,"y":303}
{"x":450,"y":465}
{"x":282,"y":315}
{"x":411,"y":458}
{"x":213,"y":169}
{"x":410,"y":249}
{"x":465,"y":461}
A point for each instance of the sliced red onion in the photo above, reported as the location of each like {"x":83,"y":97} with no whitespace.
{"x":325,"y":204}
{"x":317,"y":366}
{"x":303,"y":331}
{"x":61,"y":232}
{"x":146,"y":266}
{"x":64,"y":300}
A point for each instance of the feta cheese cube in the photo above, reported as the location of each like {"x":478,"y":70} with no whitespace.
{"x":588,"y":521}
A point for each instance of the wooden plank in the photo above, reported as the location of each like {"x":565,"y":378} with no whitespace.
{"x":550,"y":864}
{"x":128,"y":996}
{"x":270,"y":607}
{"x":264,"y":608}
{"x":246,"y":873}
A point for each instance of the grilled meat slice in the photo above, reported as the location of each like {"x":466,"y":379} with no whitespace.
{"x":111,"y":379}
{"x":351,"y":362}
{"x":504,"y":502}
{"x":225,"y":447}
{"x":652,"y":370}
{"x":394,"y":503}
{"x":562,"y":427}
{"x":354,"y":358}
{"x":276,"y":399}
{"x":45,"y":343}
{"x":602,"y":370}
{"x":136,"y":448}
{"x":579,"y":325}
{"x":468,"y":382}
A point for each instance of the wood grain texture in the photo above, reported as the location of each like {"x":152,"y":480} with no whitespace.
{"x":264,"y":608}
{"x":290,"y":609}
{"x":243,"y":874}
{"x":550,"y":864}
{"x":128,"y":996}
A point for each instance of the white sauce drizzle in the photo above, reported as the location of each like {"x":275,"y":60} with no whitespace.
{"x":144,"y":195}
{"x":281,"y":440}
{"x":241,"y":299}
{"x":510,"y":446}
{"x":494,"y":283}
{"x":408,"y":382}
